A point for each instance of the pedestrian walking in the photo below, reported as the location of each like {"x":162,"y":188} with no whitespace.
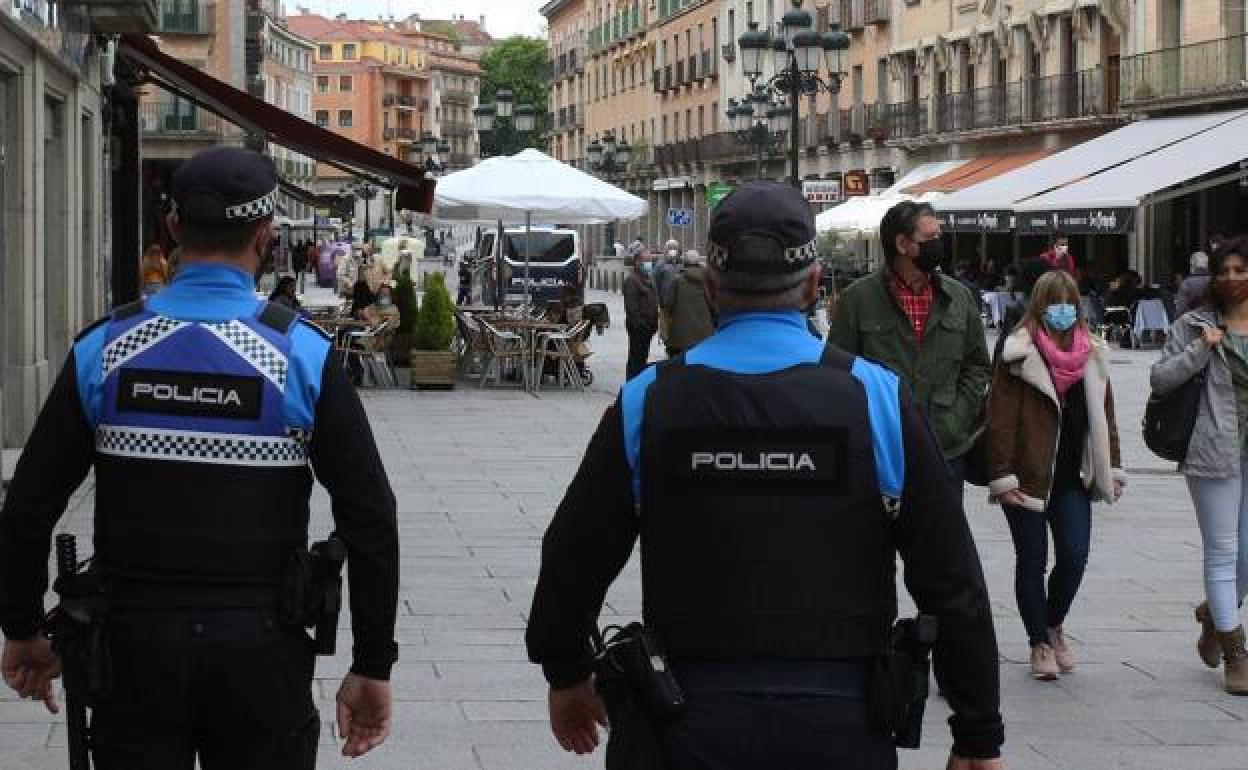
{"x":464,"y":295}
{"x":1214,"y":340}
{"x":641,"y":313}
{"x":1058,"y":255}
{"x":692,"y":316}
{"x":299,"y":263}
{"x":774,"y":674}
{"x":923,"y":325}
{"x":1194,"y":290}
{"x":1052,"y":442}
{"x":203,"y":413}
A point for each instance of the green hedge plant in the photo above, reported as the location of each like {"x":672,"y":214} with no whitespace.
{"x":435,"y":324}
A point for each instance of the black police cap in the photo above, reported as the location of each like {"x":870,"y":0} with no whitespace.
{"x":762,"y":228}
{"x":225,"y":185}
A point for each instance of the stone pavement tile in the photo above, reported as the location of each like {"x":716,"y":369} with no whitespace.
{"x":463,"y":653}
{"x":399,"y":755}
{"x":1102,"y":757}
{"x":528,"y":756}
{"x":23,"y":712}
{"x":1195,"y":733}
{"x":506,"y":711}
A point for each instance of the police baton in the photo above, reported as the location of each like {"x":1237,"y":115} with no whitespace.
{"x":68,"y":613}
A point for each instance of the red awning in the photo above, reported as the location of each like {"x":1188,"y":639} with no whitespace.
{"x":412,"y":190}
{"x":974,"y":171}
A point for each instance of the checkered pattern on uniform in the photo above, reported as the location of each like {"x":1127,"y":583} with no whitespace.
{"x":196,"y":447}
{"x":251,"y":210}
{"x":138,"y":339}
{"x":800,"y":256}
{"x":254,"y":348}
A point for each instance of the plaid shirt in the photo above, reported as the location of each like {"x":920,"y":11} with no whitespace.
{"x":917,"y":305}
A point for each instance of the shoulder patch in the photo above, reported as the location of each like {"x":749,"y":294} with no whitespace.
{"x":305,"y":323}
{"x":92,"y":327}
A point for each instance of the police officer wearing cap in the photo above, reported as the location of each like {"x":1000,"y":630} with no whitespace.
{"x":771,"y":481}
{"x":204,"y":413}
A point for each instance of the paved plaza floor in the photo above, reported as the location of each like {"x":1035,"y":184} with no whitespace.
{"x":478,"y":473}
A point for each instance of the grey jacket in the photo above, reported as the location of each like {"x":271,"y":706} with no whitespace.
{"x":1214,"y":450}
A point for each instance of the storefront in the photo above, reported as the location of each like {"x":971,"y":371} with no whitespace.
{"x":1141,"y":197}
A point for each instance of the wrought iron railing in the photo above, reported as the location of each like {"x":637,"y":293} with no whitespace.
{"x":187,"y":17}
{"x":166,"y":119}
{"x":1214,"y":68}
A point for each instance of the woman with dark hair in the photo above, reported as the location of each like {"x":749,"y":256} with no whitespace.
{"x":1052,"y":450}
{"x":1214,"y":340}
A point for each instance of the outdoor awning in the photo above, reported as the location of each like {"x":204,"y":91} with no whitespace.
{"x":1105,"y":202}
{"x":412,"y":190}
{"x":974,"y":171}
{"x":1105,"y":151}
{"x":337,"y":204}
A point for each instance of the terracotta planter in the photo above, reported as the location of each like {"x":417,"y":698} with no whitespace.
{"x":433,"y":368}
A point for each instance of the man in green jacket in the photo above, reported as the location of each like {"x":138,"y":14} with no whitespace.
{"x":923,"y":325}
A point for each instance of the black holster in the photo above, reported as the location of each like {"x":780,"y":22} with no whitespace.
{"x":311,"y":595}
{"x":77,"y":628}
{"x":899,"y":681}
{"x":635,"y":682}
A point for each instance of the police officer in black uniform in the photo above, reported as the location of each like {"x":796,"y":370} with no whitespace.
{"x":204,"y":412}
{"x":771,"y":480}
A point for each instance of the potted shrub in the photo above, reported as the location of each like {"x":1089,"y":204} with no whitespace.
{"x":405,"y":301}
{"x":431,"y":359}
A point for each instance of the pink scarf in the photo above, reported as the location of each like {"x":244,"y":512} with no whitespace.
{"x":1065,"y":366}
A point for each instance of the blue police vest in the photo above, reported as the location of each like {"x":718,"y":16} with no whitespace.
{"x":765,"y":507}
{"x":202,"y":405}
{"x":197,"y":392}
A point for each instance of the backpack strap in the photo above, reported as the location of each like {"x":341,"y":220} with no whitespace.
{"x":129,"y":310}
{"x":836,"y":358}
{"x":277,"y":317}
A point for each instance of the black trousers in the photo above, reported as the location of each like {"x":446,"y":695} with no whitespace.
{"x":232,"y":687}
{"x":732,"y":723}
{"x":747,"y":731}
{"x":638,"y":351}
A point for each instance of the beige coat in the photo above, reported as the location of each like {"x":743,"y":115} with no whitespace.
{"x":1024,"y":421}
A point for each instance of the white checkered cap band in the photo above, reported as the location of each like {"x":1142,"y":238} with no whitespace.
{"x":797,"y":257}
{"x":197,"y":447}
{"x":250,"y":211}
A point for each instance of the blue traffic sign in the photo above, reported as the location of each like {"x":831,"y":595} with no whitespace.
{"x":680,"y":217}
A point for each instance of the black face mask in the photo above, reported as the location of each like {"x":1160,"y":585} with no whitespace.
{"x":930,"y":255}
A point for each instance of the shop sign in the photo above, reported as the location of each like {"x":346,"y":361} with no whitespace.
{"x":857,"y":183}
{"x":822,"y":190}
{"x":984,"y":221}
{"x":716,"y":192}
{"x":1108,"y":221}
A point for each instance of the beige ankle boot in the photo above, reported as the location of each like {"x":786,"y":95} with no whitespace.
{"x":1236,"y":657}
{"x":1061,"y":650}
{"x":1207,"y":644}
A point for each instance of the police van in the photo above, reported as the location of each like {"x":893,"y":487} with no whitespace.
{"x":555,"y":262}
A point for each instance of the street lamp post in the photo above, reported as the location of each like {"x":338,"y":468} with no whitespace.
{"x":508,"y":129}
{"x":797,"y":51}
{"x":610,"y":159}
{"x":365,"y":191}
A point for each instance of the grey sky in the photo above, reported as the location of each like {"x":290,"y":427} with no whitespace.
{"x":503,"y":18}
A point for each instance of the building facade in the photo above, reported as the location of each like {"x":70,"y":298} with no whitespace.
{"x":991,"y":83}
{"x":53,"y":201}
{"x":279,"y":70}
{"x":57,"y":171}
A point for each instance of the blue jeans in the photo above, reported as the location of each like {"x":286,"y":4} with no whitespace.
{"x":1069,"y":515}
{"x":1222,"y":511}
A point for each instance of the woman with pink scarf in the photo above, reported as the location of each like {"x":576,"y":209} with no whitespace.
{"x":1052,"y":446}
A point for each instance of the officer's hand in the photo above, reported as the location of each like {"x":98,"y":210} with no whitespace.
{"x":575,"y":713}
{"x":363,"y":714}
{"x":29,"y":667}
{"x":962,"y":763}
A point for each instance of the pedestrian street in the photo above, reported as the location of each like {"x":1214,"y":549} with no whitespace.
{"x":477,"y":474}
